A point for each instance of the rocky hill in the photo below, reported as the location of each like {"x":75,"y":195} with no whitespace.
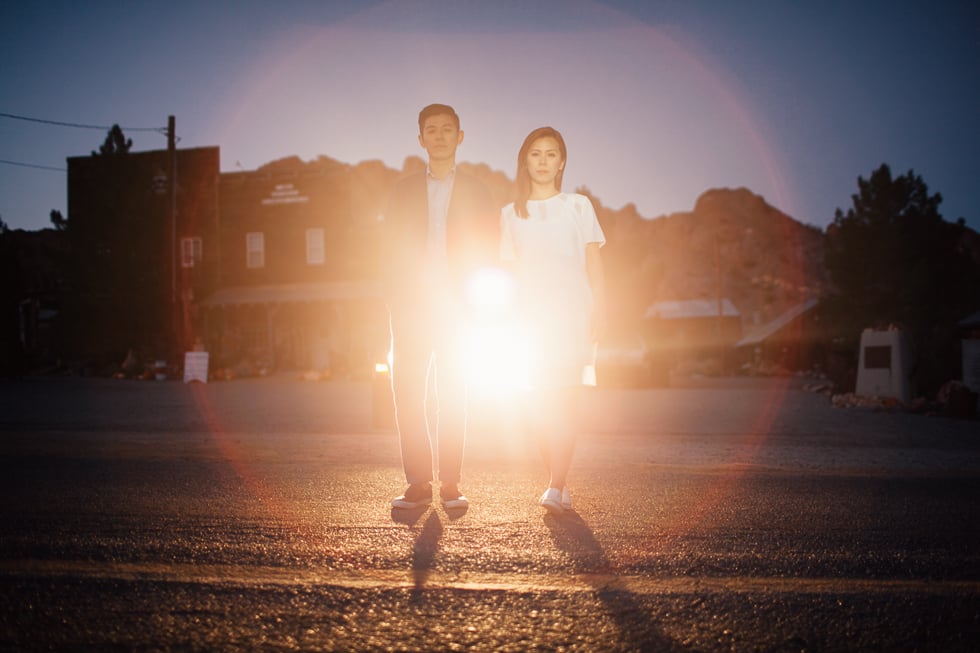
{"x":732,"y":244}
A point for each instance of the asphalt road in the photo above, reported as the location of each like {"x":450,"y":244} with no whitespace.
{"x":733,"y":515}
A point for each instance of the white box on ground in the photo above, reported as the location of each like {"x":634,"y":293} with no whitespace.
{"x":885,"y":365}
{"x":971,"y":364}
{"x":196,"y":366}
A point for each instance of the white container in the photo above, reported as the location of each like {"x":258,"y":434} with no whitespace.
{"x":885,"y":365}
{"x":971,"y":364}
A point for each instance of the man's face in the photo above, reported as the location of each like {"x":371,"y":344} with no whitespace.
{"x":440,"y":137}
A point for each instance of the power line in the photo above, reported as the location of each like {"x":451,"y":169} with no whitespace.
{"x":31,"y":165}
{"x":162,"y":130}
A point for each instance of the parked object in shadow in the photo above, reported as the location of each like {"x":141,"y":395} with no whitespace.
{"x":627,"y":363}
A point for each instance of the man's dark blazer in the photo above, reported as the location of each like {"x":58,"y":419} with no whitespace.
{"x":472,"y":236}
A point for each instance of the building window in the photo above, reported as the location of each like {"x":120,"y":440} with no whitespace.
{"x":314,"y":247}
{"x":191,"y":252}
{"x":255,"y":249}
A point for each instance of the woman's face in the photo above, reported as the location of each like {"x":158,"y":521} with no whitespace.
{"x":544,"y":161}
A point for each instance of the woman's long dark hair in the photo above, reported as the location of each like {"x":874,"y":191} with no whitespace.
{"x":524,"y":178}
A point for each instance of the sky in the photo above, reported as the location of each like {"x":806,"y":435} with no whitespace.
{"x":658,"y":101}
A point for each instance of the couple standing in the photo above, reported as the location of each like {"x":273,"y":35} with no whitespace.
{"x":439,"y":227}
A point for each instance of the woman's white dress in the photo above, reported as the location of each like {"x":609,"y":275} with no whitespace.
{"x":547,"y":250}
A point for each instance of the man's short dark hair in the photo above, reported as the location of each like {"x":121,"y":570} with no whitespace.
{"x":437,"y":110}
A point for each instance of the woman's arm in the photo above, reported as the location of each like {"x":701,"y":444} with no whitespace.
{"x":593,"y":269}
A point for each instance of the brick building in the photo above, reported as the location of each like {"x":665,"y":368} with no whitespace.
{"x":298,"y":272}
{"x":143,"y":250}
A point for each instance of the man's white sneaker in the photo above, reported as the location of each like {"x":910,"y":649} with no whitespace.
{"x":416,"y":496}
{"x":551,"y":501}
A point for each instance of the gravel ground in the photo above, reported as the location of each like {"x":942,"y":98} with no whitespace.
{"x":743,"y":515}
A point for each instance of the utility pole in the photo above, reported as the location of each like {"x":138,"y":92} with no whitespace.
{"x":172,"y":165}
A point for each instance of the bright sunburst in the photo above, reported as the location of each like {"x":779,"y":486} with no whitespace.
{"x":494,"y":342}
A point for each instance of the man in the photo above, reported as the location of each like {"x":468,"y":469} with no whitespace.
{"x":440,"y":225}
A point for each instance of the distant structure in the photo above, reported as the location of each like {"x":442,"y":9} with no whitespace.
{"x":265,"y":269}
{"x":692,"y":329}
{"x":144,"y":248}
{"x":791,"y":341}
{"x":32,"y":284}
{"x":298,"y":273}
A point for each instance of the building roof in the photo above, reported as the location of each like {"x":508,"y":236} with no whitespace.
{"x":285,"y":293}
{"x":690,"y":308}
{"x":765,"y":331}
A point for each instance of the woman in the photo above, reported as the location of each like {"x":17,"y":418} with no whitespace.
{"x":552,"y":239}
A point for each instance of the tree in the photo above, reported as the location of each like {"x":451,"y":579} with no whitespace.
{"x":894,"y":260}
{"x":59,"y":221}
{"x":115,"y":143}
{"x":3,"y":226}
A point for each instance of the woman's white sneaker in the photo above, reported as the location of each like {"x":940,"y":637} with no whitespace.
{"x":551,"y":501}
{"x":566,"y":498}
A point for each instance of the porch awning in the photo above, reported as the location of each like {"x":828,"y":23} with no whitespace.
{"x":764,"y":332}
{"x":286,"y":293}
{"x":690,"y":308}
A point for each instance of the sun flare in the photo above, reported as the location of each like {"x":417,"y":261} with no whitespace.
{"x":494,"y":342}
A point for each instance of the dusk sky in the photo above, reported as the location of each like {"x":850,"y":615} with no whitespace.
{"x":658,"y":101}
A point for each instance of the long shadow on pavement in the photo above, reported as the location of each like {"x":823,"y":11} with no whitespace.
{"x":572,"y":535}
{"x":426,"y":543}
{"x":424,"y":550}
